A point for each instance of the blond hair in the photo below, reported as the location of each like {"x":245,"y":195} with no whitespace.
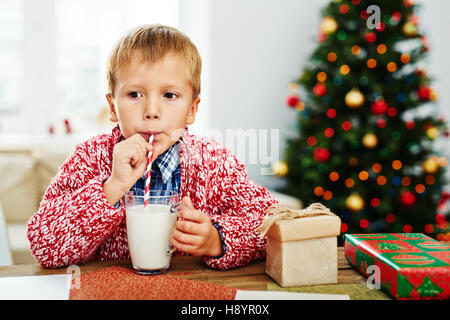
{"x":151,"y":43}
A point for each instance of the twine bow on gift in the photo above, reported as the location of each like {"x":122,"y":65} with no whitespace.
{"x":282,"y":213}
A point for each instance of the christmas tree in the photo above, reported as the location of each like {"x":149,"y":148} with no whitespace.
{"x":366,"y":144}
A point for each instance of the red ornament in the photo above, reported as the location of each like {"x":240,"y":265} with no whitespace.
{"x":392,"y":112}
{"x":390,"y":218}
{"x":67,"y":126}
{"x":446,"y":133}
{"x":410,"y":124}
{"x":380,"y":27}
{"x":396,"y":16}
{"x":371,"y":37}
{"x":363,"y":14}
{"x":375,"y":202}
{"x":346,"y":125}
{"x":321,"y":154}
{"x":429,"y":228}
{"x":364,"y":223}
{"x":320,"y":90}
{"x":311,"y":141}
{"x":331,"y":113}
{"x":379,"y":107}
{"x":292,"y":100}
{"x":321,"y":37}
{"x":407,"y":199}
{"x":381,"y":123}
{"x":329,"y":132}
{"x":440,"y":217}
{"x":407,"y":228}
{"x":424,"y":93}
{"x":343,"y":8}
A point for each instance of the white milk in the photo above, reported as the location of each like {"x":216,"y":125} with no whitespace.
{"x":149,"y":230}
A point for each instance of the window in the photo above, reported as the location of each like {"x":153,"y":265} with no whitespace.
{"x":53,"y":56}
{"x":11,"y":37}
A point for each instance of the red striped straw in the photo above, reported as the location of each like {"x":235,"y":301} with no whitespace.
{"x":148,"y":175}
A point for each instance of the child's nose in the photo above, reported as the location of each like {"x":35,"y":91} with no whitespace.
{"x":151,"y":116}
{"x":152,"y":111}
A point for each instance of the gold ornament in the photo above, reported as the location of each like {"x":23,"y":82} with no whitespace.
{"x":354,"y":202}
{"x":300,"y":106}
{"x":409,"y":29}
{"x":433,"y":132}
{"x":293,"y":87}
{"x":431,"y":165}
{"x":370,"y":140}
{"x":354,"y":98}
{"x":433,"y":94}
{"x":328,"y":25}
{"x":280,"y":168}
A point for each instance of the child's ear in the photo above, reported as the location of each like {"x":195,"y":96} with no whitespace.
{"x":192,"y":111}
{"x":112,"y":109}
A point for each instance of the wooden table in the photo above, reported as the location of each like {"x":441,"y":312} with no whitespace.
{"x":251,"y":277}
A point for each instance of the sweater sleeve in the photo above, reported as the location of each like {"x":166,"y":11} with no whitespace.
{"x":74,"y":217}
{"x":241,"y":206}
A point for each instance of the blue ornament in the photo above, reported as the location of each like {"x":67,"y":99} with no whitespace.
{"x":401,"y":97}
{"x":396,"y":181}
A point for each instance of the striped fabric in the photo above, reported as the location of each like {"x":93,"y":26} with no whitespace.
{"x":165,"y":172}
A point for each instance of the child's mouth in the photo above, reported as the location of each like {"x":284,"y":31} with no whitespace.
{"x":146,"y":135}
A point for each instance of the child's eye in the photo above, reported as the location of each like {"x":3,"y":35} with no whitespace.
{"x":135,"y":94}
{"x":170,"y":95}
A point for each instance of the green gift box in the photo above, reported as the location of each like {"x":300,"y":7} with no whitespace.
{"x":410,"y":265}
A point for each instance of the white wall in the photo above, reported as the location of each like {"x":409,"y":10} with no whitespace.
{"x":252,"y":49}
{"x":255,"y":49}
{"x":39,"y":54}
{"x":436,"y":25}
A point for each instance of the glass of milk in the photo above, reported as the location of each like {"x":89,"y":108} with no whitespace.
{"x":149,"y":229}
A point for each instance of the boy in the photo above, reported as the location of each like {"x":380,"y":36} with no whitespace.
{"x":154,"y":83}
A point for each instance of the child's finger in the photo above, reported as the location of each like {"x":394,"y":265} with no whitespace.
{"x":187,"y":226}
{"x":182,"y":247}
{"x":187,"y":203}
{"x":136,"y":158}
{"x":140,"y":143}
{"x":191,"y":215}
{"x":186,"y":238}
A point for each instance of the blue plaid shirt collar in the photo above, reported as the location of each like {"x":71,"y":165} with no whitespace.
{"x":168,"y":162}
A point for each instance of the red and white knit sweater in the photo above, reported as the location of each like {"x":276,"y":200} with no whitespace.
{"x":76,"y":224}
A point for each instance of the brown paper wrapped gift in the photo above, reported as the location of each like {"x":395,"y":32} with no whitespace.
{"x":301,"y":245}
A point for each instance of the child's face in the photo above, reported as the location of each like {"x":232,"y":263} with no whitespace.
{"x":154,"y":97}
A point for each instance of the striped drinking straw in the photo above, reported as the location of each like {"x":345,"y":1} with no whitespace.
{"x":148,"y":175}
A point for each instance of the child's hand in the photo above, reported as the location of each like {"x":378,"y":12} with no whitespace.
{"x":129,"y":164}
{"x":194,"y":232}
